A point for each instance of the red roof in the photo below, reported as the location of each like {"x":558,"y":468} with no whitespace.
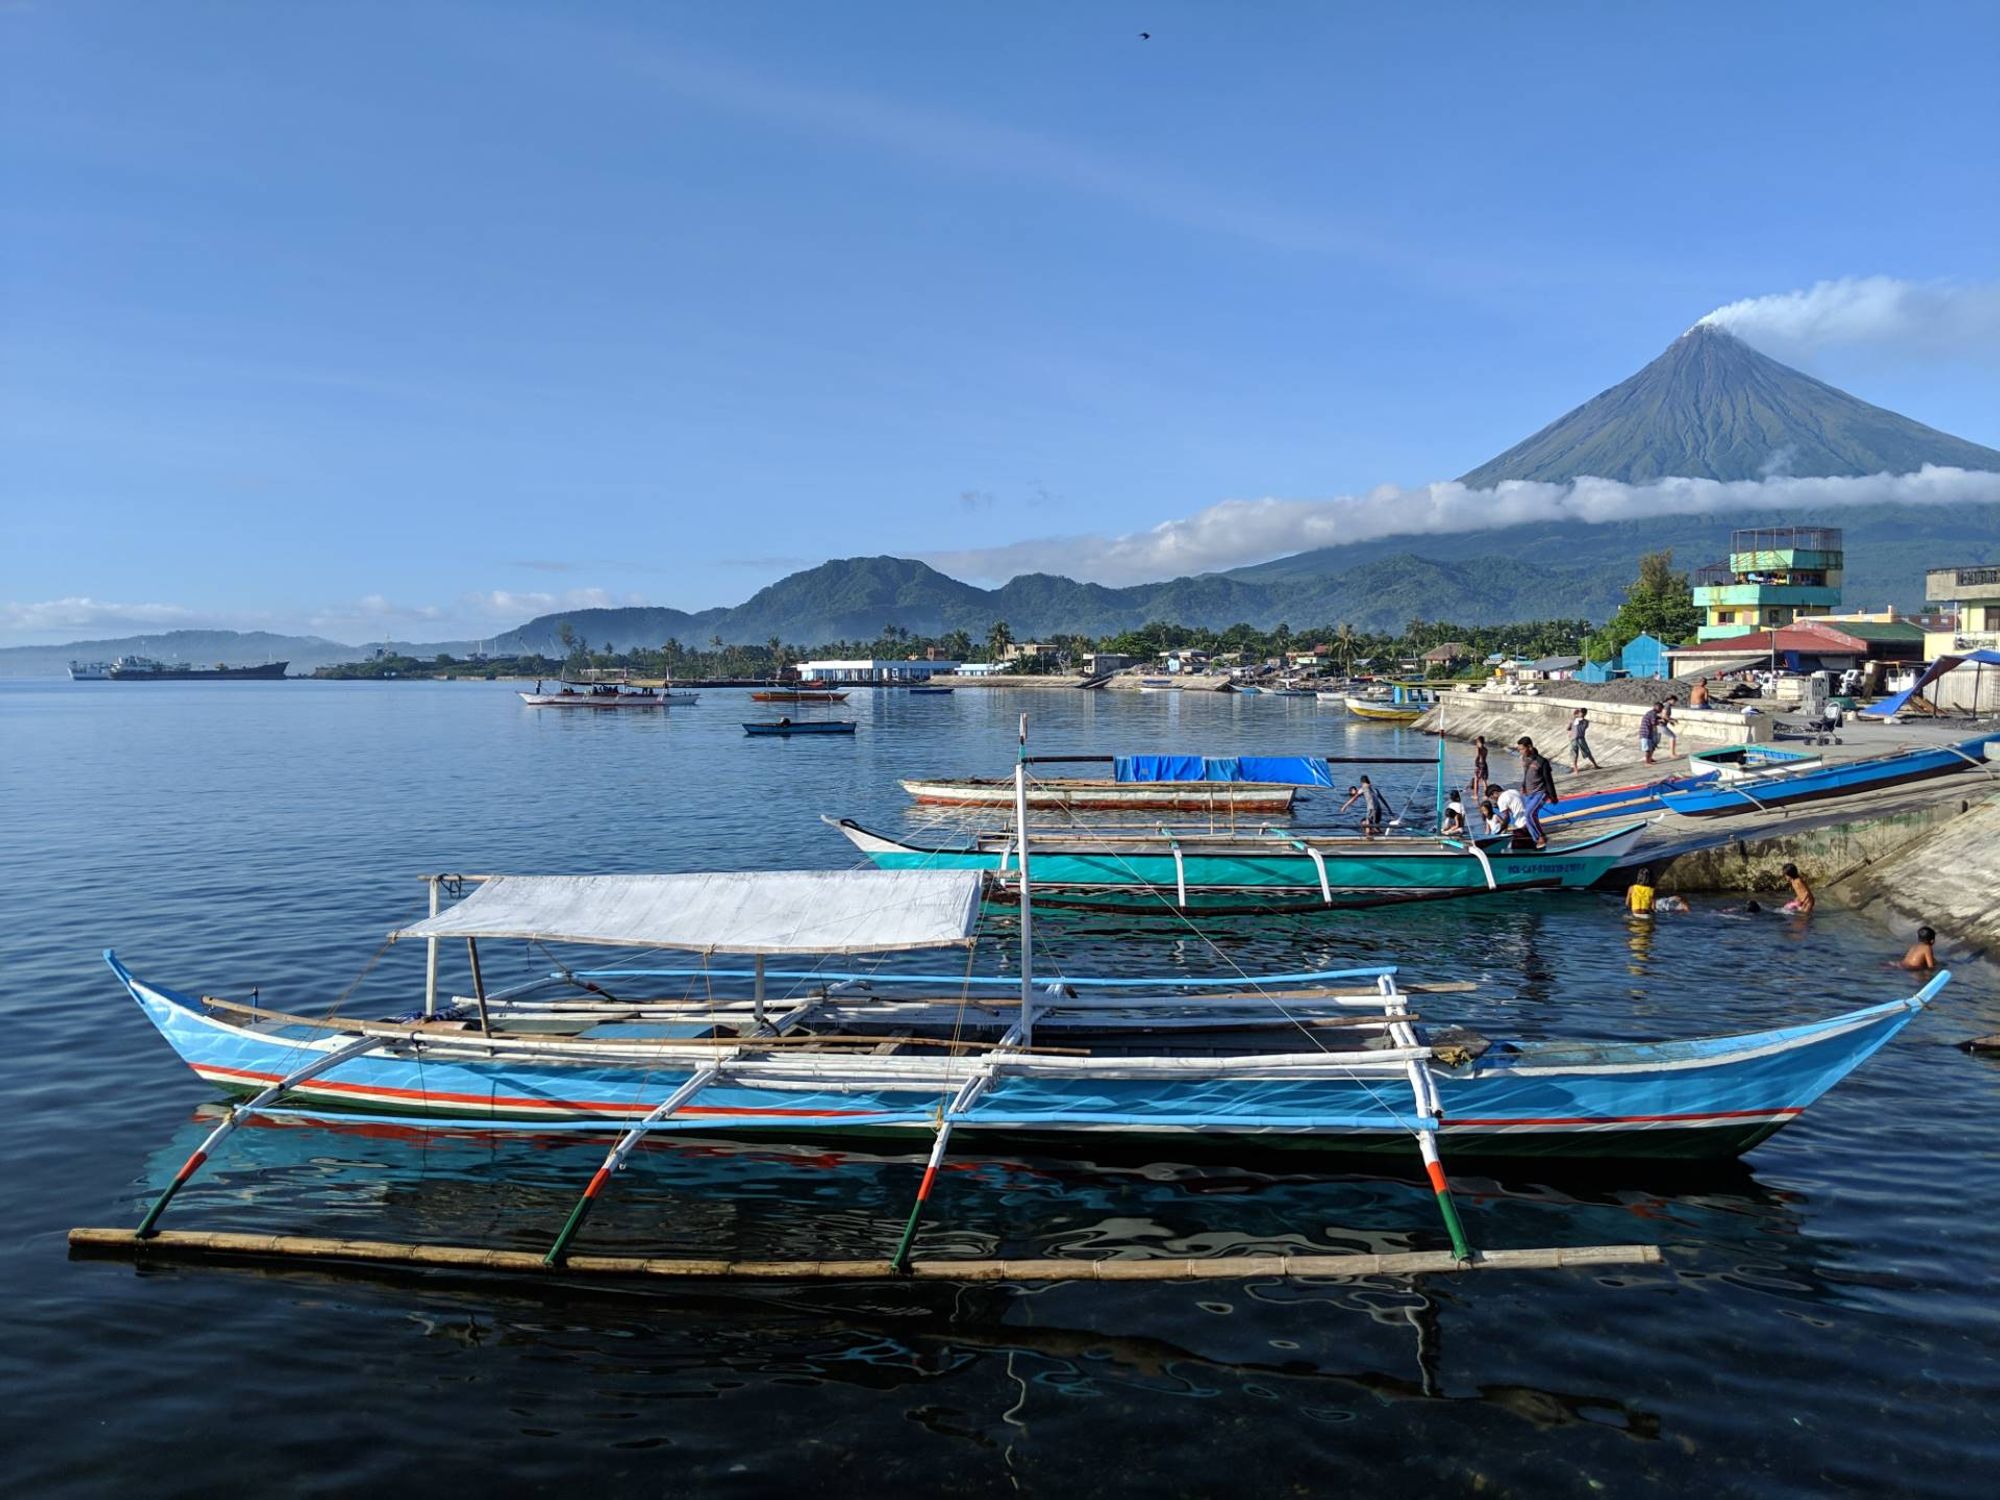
{"x":1822,"y":640}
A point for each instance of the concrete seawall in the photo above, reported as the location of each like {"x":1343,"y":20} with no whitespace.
{"x":1614,"y":727}
{"x":1948,"y":877}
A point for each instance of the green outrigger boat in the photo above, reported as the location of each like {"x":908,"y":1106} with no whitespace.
{"x":1325,"y":870}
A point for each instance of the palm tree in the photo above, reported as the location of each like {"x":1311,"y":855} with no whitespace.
{"x":1344,"y":639}
{"x":999,"y":638}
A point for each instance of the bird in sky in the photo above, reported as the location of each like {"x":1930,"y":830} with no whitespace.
{"x":1145,"y":36}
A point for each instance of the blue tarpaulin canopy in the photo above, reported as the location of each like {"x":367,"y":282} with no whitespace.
{"x":1290,"y":770}
{"x":1889,"y":707}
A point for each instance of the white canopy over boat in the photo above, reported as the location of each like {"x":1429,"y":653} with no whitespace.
{"x":792,"y":911}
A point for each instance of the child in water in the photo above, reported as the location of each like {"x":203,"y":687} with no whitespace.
{"x":1923,"y":952}
{"x":1802,"y":896}
{"x":1639,"y":897}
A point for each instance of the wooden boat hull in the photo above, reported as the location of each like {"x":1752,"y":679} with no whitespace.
{"x":1621,"y":801}
{"x":1219,"y":797}
{"x":1213,"y":863}
{"x":782,"y":697}
{"x":1386,"y":713}
{"x":1696,"y":1099}
{"x":810,"y":726}
{"x":1840,"y":779}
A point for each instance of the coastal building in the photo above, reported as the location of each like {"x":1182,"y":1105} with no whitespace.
{"x":1549,"y":669}
{"x":1972,"y":596}
{"x":1796,"y":648}
{"x":1097,"y":663}
{"x":1449,"y":654}
{"x":1644,"y":656}
{"x":873,"y":670}
{"x":1775,"y":575}
{"x":1022,"y":651}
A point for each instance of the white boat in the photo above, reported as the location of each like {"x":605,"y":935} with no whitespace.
{"x":607,"y":695}
{"x":90,"y":671}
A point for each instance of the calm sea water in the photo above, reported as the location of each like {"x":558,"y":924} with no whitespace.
{"x":1826,"y":1319}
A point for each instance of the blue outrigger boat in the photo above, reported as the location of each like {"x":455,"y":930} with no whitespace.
{"x":1327,"y":1060}
{"x":1838,"y":779}
{"x":1172,"y":864}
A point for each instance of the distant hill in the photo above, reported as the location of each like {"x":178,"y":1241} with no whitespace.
{"x":201,"y":648}
{"x":1711,"y":407}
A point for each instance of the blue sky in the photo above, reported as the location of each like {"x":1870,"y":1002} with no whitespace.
{"x":416,"y":319}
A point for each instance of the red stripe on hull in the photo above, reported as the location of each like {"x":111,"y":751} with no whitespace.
{"x":531,"y":1106}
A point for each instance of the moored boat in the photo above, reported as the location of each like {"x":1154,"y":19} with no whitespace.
{"x":1829,"y":779}
{"x":1083,"y":793}
{"x":799,"y":726}
{"x":1318,"y":1060}
{"x":1173,"y":865}
{"x":798,"y":695}
{"x":606,"y":695}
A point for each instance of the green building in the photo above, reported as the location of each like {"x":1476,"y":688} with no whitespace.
{"x":1775,"y":575}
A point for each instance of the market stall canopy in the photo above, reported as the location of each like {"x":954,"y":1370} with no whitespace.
{"x":793,"y":911}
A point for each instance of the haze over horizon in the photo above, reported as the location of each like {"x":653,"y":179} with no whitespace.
{"x":390,"y":323}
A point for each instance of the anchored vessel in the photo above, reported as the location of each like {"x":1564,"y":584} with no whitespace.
{"x":145,"y":669}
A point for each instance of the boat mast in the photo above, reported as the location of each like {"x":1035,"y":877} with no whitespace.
{"x":1027,"y":909}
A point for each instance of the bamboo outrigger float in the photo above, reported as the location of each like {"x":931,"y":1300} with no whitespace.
{"x":1320,"y":1059}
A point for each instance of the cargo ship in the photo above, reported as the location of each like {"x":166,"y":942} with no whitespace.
{"x":145,"y":669}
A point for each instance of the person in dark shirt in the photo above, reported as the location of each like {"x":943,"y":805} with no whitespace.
{"x":1480,"y":779}
{"x":1538,"y":789}
{"x":1649,"y":732}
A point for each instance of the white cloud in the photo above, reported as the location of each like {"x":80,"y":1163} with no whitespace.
{"x":80,"y":613}
{"x":1913,"y":317}
{"x":517,"y":607}
{"x":1237,"y":532}
{"x":370,"y":615}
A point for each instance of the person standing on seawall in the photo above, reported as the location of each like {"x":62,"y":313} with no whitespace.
{"x":1579,"y":742}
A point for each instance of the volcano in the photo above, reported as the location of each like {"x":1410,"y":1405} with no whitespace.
{"x":1712,"y":407}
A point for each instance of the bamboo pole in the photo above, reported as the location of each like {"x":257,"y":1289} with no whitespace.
{"x":195,"y":1246}
{"x":431,"y":957}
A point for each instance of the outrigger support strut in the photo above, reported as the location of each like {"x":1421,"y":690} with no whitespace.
{"x":238,"y":1114}
{"x":1424,"y":1088}
{"x":615,"y":1158}
{"x":947,"y":1117}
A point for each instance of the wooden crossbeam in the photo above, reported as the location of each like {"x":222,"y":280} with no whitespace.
{"x":195,"y":1246}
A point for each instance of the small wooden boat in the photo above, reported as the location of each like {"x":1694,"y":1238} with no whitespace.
{"x":798,"y":695}
{"x":1159,"y":685}
{"x":800,"y":726}
{"x":1400,"y":703}
{"x":931,"y":691}
{"x":1171,"y":865}
{"x":1223,"y":798}
{"x":1837,"y":779}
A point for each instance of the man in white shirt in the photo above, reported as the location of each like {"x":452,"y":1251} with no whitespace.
{"x":1512,"y":807}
